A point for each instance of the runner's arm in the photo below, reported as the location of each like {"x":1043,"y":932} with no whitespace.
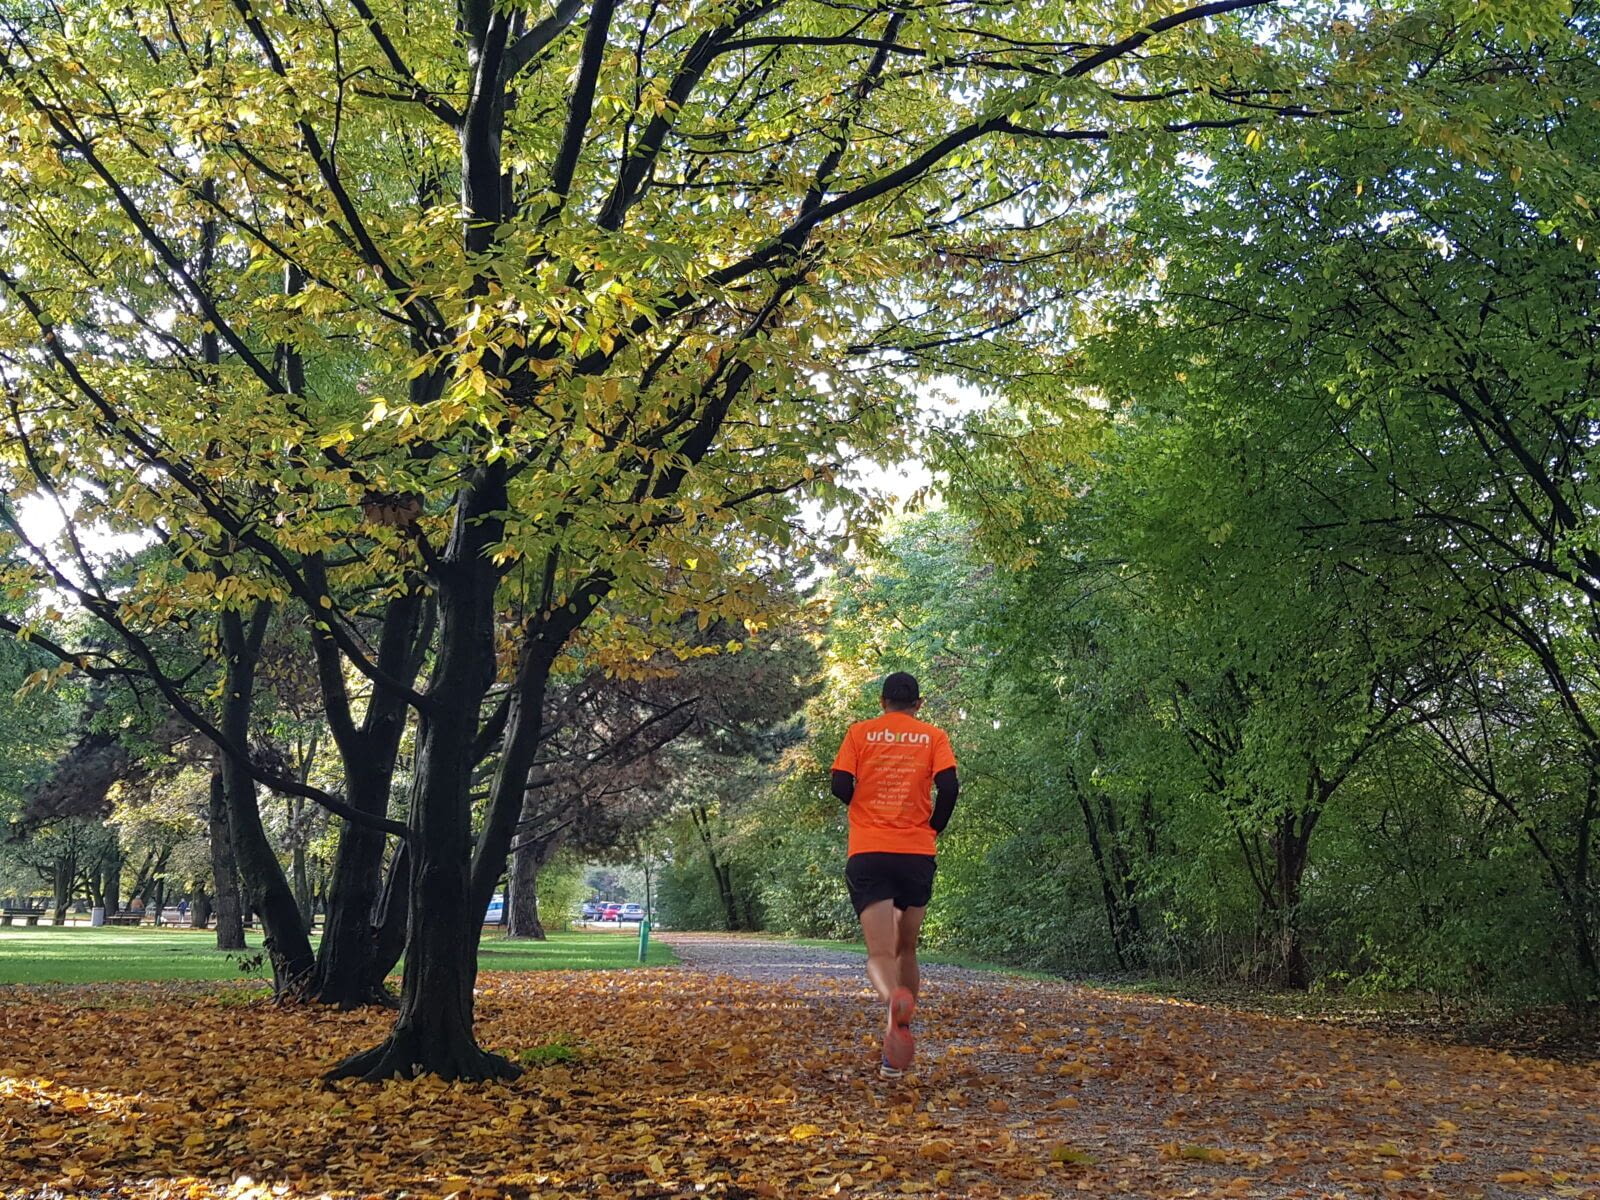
{"x":946,"y":787}
{"x":844,"y":785}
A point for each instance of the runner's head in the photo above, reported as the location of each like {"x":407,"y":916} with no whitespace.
{"x":901,"y":693}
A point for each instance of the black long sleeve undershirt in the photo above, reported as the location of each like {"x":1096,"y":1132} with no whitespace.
{"x":844,"y":786}
{"x":945,"y":785}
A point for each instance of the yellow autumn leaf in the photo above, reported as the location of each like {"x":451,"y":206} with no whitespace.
{"x":1070,"y":1156}
{"x":1196,"y":1153}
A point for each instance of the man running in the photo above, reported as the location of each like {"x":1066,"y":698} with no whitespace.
{"x":884,"y":773}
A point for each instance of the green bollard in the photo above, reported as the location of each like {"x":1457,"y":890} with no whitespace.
{"x":644,"y":938}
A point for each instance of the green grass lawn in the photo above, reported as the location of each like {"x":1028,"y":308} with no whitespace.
{"x":83,"y":955}
{"x":585,"y":950}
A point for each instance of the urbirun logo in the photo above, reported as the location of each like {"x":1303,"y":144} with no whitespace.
{"x":888,"y":735}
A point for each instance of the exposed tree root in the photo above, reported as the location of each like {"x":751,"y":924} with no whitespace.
{"x":403,"y":1056}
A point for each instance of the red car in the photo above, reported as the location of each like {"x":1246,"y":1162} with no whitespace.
{"x":610,"y":911}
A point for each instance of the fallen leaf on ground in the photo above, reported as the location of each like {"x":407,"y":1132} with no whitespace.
{"x":682,"y":1084}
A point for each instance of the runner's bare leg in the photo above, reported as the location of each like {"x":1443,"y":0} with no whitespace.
{"x":878,"y":927}
{"x":908,"y":925}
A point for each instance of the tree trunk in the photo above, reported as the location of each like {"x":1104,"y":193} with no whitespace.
{"x":346,"y":977}
{"x":260,"y":873}
{"x":161,"y":900}
{"x":389,"y":926}
{"x":1109,"y":844}
{"x":522,"y":907}
{"x":1127,"y":886}
{"x":360,"y":943}
{"x":433,"y":1032}
{"x":200,"y":914}
{"x":261,"y":878}
{"x":719,"y":871}
{"x":297,"y":861}
{"x":1097,"y":855}
{"x":112,"y":887}
{"x":65,"y":868}
{"x":1583,"y":898}
{"x":1291,"y":840}
{"x":142,"y":879}
{"x":224,"y":874}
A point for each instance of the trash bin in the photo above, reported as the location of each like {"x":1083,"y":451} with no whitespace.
{"x":97,"y":916}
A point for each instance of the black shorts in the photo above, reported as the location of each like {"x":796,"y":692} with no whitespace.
{"x":907,"y":879}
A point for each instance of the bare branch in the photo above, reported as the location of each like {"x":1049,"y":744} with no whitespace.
{"x":530,"y":45}
{"x":434,"y":104}
{"x":594,"y":46}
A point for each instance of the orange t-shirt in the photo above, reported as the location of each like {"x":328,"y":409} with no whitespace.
{"x":894,"y":759}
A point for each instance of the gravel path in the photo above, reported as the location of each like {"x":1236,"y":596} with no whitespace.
{"x":772,"y":961}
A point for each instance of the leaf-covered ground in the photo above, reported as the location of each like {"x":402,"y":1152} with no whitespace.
{"x":681,"y":1082}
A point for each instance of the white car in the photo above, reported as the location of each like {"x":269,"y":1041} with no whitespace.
{"x":631,"y":912}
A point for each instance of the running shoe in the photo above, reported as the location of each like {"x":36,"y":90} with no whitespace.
{"x":899,"y":1048}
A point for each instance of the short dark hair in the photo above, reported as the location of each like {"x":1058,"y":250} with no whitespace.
{"x":901,"y":688}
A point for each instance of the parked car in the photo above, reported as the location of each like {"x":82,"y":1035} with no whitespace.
{"x":496,"y":912}
{"x":610,"y":911}
{"x":589,"y":910}
{"x":631,"y":912}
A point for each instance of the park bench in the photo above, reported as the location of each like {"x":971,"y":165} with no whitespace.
{"x":125,"y":918}
{"x":30,"y":915}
